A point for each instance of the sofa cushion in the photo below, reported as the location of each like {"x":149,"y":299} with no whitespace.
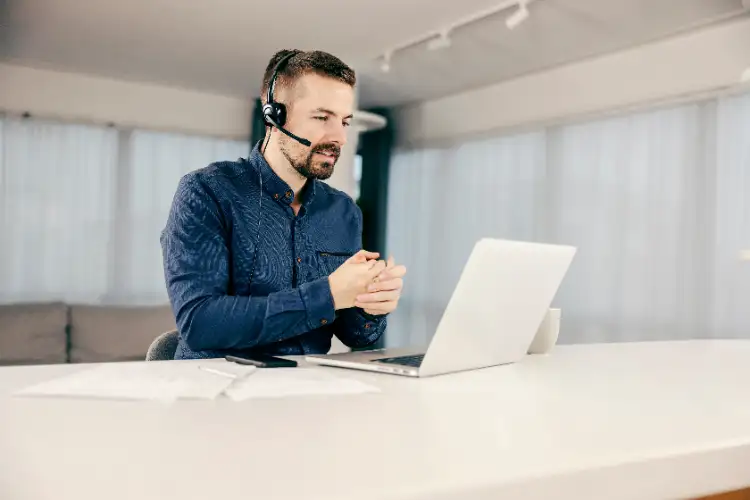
{"x":33,"y":333}
{"x":111,"y":333}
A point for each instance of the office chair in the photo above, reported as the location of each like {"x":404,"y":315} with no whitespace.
{"x":163,"y":347}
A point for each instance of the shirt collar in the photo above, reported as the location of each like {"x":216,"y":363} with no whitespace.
{"x":275,"y":185}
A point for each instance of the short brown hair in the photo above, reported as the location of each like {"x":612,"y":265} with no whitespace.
{"x":302,"y":63}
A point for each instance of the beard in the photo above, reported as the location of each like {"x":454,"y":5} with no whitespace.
{"x":309,"y":165}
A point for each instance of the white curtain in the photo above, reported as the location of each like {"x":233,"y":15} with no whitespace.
{"x":82,"y":208}
{"x":56,"y":212}
{"x":730,"y":275}
{"x":654,"y":201}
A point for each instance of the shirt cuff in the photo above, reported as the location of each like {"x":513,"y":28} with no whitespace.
{"x":371,"y":317}
{"x":318,"y":302}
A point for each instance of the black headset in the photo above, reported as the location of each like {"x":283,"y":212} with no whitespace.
{"x":274,"y":113}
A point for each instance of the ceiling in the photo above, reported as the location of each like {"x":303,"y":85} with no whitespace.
{"x":222,"y":46}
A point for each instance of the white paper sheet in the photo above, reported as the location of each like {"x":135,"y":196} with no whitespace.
{"x":288,"y":382}
{"x":154,"y":381}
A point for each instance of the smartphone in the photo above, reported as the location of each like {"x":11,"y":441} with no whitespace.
{"x":263,"y":361}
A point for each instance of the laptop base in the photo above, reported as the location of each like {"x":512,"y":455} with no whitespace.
{"x":370,"y":361}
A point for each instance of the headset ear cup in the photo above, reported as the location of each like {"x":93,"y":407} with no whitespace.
{"x":280,"y":113}
{"x":274,"y":114}
{"x":268,"y":114}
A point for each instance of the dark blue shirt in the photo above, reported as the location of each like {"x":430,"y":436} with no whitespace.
{"x":228,"y":296}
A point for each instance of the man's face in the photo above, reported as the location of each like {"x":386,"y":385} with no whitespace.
{"x":320,"y":111}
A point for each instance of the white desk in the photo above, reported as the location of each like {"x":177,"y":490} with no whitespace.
{"x":645,"y":421}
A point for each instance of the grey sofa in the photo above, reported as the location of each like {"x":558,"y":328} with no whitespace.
{"x":51,"y":333}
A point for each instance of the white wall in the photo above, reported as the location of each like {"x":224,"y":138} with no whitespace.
{"x":692,"y":63}
{"x":55,"y":94}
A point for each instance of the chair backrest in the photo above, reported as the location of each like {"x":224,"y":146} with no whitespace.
{"x":163,"y":347}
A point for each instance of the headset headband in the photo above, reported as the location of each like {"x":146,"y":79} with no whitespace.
{"x":276,"y":70}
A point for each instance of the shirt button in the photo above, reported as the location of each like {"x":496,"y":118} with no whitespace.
{"x":276,"y":196}
{"x":323,"y":321}
{"x":299,"y":259}
{"x":288,"y":194}
{"x":367,"y":325}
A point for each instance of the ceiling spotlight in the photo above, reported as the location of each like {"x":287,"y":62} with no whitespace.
{"x":385,"y":66}
{"x":518,"y":16}
{"x":442,"y":41}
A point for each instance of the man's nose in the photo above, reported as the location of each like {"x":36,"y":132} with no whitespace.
{"x":338,"y":134}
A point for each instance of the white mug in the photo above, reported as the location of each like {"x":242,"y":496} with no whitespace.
{"x":546,"y":336}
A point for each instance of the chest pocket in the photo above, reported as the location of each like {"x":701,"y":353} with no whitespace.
{"x":328,"y":262}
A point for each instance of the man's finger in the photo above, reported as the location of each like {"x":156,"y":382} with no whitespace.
{"x":357,"y":258}
{"x":392,"y":284}
{"x":385,"y":296}
{"x":363,"y":256}
{"x":377,"y":307}
{"x":393,"y":272}
{"x":376,"y":267}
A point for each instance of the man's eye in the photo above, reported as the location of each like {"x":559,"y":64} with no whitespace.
{"x":347,"y":124}
{"x":321,"y":118}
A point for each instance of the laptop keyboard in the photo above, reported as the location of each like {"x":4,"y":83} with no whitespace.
{"x":415,"y":360}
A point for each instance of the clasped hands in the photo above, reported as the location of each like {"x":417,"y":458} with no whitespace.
{"x":368,"y":283}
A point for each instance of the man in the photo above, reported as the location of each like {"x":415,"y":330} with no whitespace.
{"x":260,"y":256}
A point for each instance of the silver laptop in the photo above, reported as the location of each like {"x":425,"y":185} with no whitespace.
{"x":502,"y":295}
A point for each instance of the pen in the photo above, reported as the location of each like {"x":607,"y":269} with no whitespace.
{"x":217,"y":372}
